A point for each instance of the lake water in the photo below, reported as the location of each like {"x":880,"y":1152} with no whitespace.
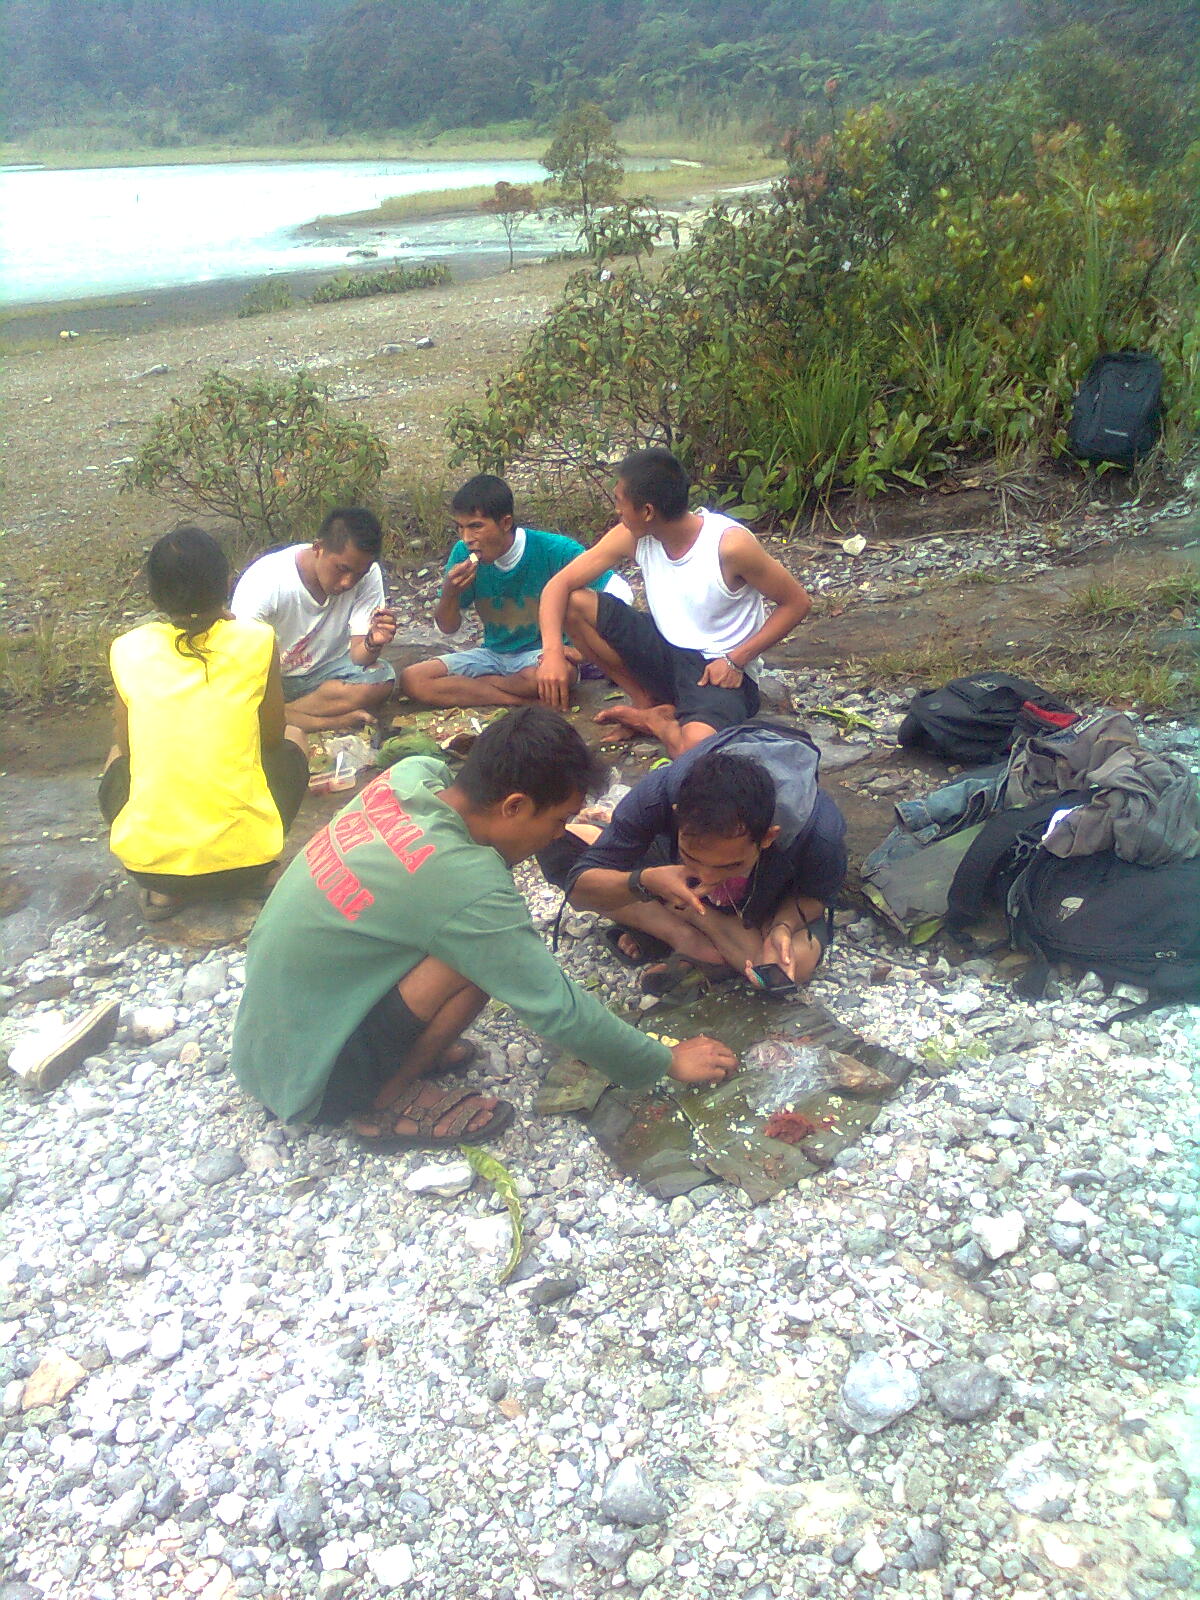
{"x":111,"y":230}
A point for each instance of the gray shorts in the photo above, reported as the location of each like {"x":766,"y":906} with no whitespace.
{"x":484,"y":663}
{"x":343,"y":669}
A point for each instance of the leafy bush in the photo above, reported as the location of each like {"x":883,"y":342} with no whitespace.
{"x":930,"y":279}
{"x":390,"y":280}
{"x":272,"y":294}
{"x":263,"y":453}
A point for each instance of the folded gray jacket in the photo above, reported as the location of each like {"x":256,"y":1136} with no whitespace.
{"x":1143,"y":806}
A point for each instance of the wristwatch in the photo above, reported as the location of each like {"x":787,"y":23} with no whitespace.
{"x":636,"y":887}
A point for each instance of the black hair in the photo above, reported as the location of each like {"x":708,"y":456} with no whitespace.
{"x":723,"y":796}
{"x":487,"y":495}
{"x":531,"y":751}
{"x":352,"y":525}
{"x":655,"y":478}
{"x":188,"y":577}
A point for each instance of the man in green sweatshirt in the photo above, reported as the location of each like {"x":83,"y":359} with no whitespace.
{"x":386,"y":937}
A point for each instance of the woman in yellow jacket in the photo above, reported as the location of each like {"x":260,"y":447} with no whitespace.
{"x":203,"y":780}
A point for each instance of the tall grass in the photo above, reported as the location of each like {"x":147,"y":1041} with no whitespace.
{"x":693,"y":132}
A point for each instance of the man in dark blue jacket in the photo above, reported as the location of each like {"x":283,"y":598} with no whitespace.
{"x":731,"y":857}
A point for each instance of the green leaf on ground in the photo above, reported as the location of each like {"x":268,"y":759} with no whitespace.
{"x":501,"y":1180}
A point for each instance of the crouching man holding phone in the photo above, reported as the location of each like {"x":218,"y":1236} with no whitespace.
{"x":726,"y":862}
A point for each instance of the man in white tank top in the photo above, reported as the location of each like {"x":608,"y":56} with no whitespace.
{"x":687,"y":666}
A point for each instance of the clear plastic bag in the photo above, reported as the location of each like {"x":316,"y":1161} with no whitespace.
{"x":805,"y":1072}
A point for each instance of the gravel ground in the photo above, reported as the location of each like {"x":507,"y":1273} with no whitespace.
{"x":956,"y":1364}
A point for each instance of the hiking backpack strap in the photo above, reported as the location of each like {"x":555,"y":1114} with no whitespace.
{"x":1006,"y":840}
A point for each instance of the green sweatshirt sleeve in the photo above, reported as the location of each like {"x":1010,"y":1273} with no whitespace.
{"x":493,"y":943}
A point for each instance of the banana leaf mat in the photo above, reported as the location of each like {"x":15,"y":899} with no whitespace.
{"x":797,"y":1059}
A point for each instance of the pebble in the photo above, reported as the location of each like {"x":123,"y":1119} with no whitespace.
{"x":876,"y":1392}
{"x":392,"y":1567}
{"x":124,"y":1511}
{"x":964,"y":1391}
{"x":166,"y":1338}
{"x":1035,"y":1481}
{"x":642,"y":1568}
{"x":301,"y":1512}
{"x":148,"y":1024}
{"x":217,"y":1166}
{"x":631,"y":1496}
{"x":445,"y":1178}
{"x":999,"y":1236}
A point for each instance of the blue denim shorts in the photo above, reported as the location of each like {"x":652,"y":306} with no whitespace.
{"x":482,"y":663}
{"x":297,"y":684}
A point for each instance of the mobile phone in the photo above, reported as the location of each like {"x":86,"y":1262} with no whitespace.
{"x":773,"y":981}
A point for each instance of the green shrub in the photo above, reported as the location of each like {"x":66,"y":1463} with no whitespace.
{"x":931,"y":279}
{"x":390,"y":280}
{"x":263,"y":453}
{"x":272,"y":294}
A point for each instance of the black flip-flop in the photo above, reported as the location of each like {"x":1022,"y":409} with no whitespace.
{"x":678,"y":975}
{"x":652,"y":948}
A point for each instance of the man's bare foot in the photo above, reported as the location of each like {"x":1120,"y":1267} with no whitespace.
{"x":628,"y":721}
{"x":348,"y":722}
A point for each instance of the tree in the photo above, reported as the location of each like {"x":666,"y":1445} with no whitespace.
{"x":584,"y":164}
{"x":514,"y":204}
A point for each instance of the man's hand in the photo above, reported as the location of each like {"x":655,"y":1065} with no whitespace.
{"x":671,"y":886}
{"x":776,"y":950}
{"x":382,"y":630}
{"x":555,"y":676}
{"x":722,"y":674}
{"x":460,"y":577}
{"x":701,"y":1061}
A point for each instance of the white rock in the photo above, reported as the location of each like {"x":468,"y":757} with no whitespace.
{"x":875,"y":1392}
{"x":999,"y":1236}
{"x":1076,"y":1215}
{"x":391,"y":1567}
{"x":714,"y":1379}
{"x":870,"y":1558}
{"x":336,"y":1556}
{"x":123,"y":1344}
{"x":1059,"y":1552}
{"x":166,"y":1338}
{"x":1033,"y":1478}
{"x":444,"y":1178}
{"x":148,"y":1024}
{"x":964,"y":1004}
{"x":231,"y":1508}
{"x":487,"y":1233}
{"x":557,"y":1248}
{"x":204,"y":980}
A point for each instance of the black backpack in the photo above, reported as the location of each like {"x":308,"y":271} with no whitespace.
{"x":1117,"y":411}
{"x":997,"y":855}
{"x":974,"y":720}
{"x":1129,"y":924}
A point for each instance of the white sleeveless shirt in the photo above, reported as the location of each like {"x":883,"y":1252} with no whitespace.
{"x":688,"y":597}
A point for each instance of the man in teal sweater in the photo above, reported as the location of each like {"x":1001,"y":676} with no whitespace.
{"x":386,"y":937}
{"x":499,"y":570}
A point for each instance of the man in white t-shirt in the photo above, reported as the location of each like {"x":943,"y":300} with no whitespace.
{"x":687,"y":667}
{"x":327,"y":605}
